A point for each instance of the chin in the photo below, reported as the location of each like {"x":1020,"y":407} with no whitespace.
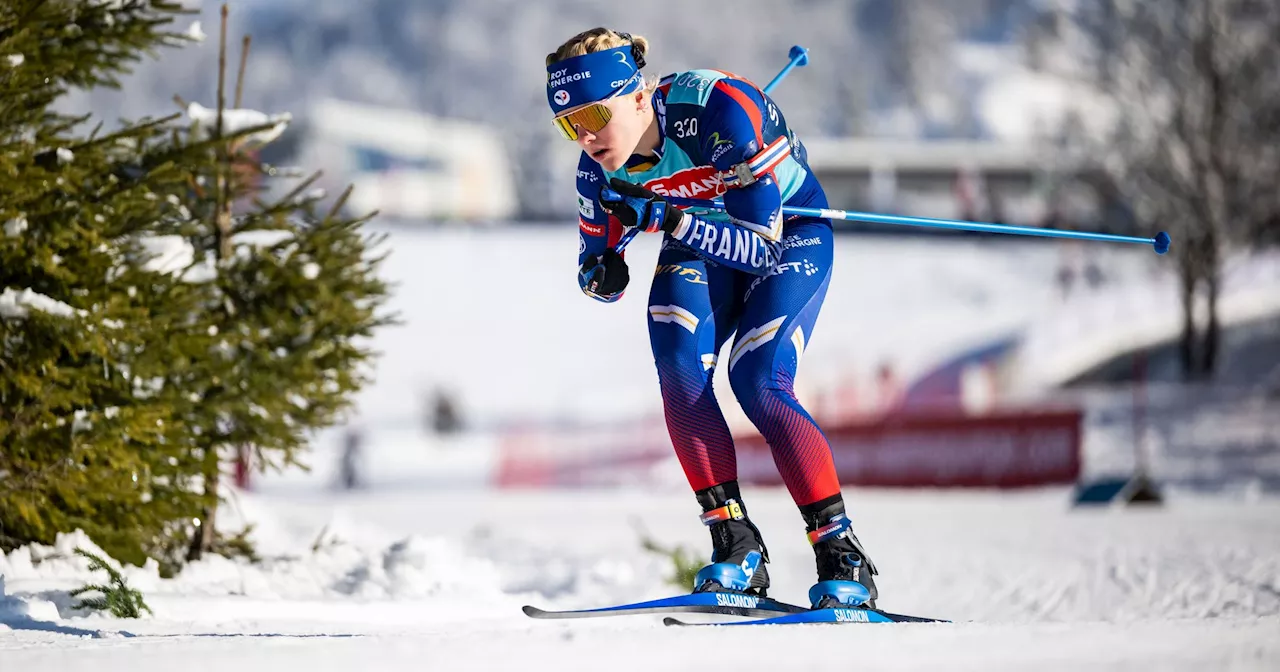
{"x":610,"y":162}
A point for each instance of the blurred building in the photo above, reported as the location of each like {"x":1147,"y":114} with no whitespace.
{"x":983,"y":180}
{"x":409,"y":165}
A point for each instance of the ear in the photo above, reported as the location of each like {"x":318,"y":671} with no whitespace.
{"x":642,"y":100}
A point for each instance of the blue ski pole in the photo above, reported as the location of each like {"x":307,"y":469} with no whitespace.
{"x":799,"y":58}
{"x":1160,"y":242}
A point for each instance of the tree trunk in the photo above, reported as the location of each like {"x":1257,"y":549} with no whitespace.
{"x":202,"y":540}
{"x":1209,"y":354}
{"x":1186,"y":345}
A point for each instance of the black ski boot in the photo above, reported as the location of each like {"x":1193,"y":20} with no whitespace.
{"x":845,"y":572}
{"x":738,"y":556}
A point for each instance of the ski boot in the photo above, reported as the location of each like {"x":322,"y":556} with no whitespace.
{"x":845,"y":572}
{"x":738,"y":555}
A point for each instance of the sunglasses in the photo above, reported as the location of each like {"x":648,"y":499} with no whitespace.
{"x":591,"y":118}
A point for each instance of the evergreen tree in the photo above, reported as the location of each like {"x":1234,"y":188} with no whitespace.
{"x":294,"y":301}
{"x":78,"y":449}
{"x":158,"y":315}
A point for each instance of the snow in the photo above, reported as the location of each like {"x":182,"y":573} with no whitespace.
{"x":1094,"y":327}
{"x":18,"y":304}
{"x":428,"y":568}
{"x":169,"y":254}
{"x":14,"y":227}
{"x":196,"y":32}
{"x":175,"y":255}
{"x":404,"y":578}
{"x":237,"y":120}
{"x":15,"y":60}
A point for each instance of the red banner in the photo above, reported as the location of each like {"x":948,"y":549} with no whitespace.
{"x":1009,"y":449}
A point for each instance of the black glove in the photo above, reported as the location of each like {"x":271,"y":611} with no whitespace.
{"x":634,"y":205}
{"x":604,"y":275}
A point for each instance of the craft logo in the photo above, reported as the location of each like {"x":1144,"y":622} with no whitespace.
{"x":697,"y":182}
{"x":803,"y":266}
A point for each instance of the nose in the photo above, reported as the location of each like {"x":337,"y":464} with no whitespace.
{"x":585,"y":138}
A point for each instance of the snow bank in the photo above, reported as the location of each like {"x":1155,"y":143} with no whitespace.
{"x":414,"y":567}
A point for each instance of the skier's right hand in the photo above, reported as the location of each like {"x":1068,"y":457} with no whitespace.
{"x":603,"y":276}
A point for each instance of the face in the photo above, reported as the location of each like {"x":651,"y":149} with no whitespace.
{"x":612,"y":145}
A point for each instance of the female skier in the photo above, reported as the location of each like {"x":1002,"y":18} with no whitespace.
{"x":749,"y":270}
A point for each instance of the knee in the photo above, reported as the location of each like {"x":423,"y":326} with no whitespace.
{"x":751,"y":386}
{"x":681,"y":375}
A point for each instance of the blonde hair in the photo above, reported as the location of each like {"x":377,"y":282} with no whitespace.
{"x":600,"y":39}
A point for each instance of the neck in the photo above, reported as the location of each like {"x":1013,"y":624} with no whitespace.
{"x":648,"y":145}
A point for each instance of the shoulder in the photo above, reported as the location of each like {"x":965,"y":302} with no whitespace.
{"x":691,"y":86}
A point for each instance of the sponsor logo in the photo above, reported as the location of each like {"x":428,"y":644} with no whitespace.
{"x":561,"y":97}
{"x":719,"y":146}
{"x":737,"y":600}
{"x":589,"y":228}
{"x":619,"y":83}
{"x":803,"y":266}
{"x":560,"y":78}
{"x":851,"y":616}
{"x":796,"y":241}
{"x":582,"y":243}
{"x":587,"y":175}
{"x":586,"y":207}
{"x":697,"y":182}
{"x":691,"y":275}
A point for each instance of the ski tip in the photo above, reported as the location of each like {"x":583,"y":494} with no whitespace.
{"x":673,"y":621}
{"x":530,"y":610}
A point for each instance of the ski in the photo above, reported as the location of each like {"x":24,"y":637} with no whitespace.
{"x":733,"y":604}
{"x":810,"y":616}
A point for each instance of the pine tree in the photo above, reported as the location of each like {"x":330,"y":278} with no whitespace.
{"x":156,"y":314}
{"x":296,"y":300}
{"x":78,"y":449}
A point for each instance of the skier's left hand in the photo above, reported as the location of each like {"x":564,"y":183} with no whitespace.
{"x":635,"y":206}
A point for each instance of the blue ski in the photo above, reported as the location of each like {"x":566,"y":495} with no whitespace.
{"x":734,"y":604}
{"x":851,"y":615}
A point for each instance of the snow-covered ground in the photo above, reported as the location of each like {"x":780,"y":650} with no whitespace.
{"x":426,"y":569}
{"x":434,"y":580}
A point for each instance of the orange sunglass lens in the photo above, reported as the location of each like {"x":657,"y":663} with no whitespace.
{"x":591,"y":119}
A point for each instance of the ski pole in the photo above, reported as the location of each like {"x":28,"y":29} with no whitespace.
{"x":799,"y":58}
{"x":1160,"y":242}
